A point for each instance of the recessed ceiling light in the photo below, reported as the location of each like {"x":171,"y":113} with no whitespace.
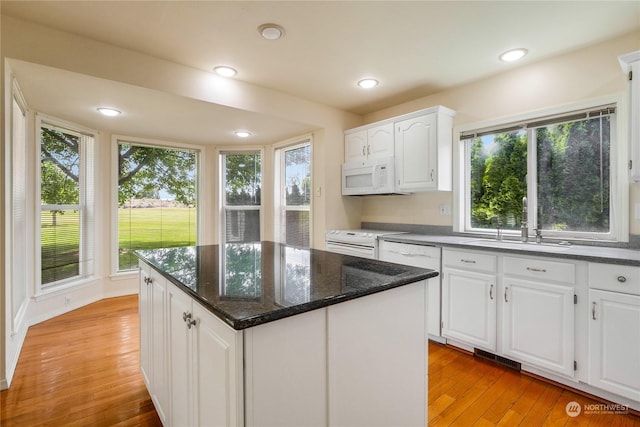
{"x":111,"y":112}
{"x":513,"y":55}
{"x":225,"y":71}
{"x":271,"y":31}
{"x":242,"y":133}
{"x":368,"y":83}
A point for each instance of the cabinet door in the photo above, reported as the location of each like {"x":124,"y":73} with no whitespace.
{"x":424,"y":257}
{"x":217,"y":371}
{"x":144,"y":308}
{"x":159,"y":350}
{"x":614,"y":343}
{"x":538,"y":324}
{"x":469,"y":308}
{"x":416,"y":151}
{"x":355,"y":147}
{"x":380,"y":141}
{"x":180,"y":355}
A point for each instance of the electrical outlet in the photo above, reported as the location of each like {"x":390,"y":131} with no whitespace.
{"x":445,"y":210}
{"x":67,"y":301}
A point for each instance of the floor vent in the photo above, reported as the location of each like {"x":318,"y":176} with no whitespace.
{"x":497,"y":359}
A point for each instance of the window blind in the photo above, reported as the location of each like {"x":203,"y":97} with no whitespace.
{"x":601,"y":111}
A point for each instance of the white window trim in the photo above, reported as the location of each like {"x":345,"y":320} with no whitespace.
{"x":87,"y":172}
{"x":221,"y":206}
{"x":618,"y":155}
{"x":145,"y":142}
{"x":279,"y":188}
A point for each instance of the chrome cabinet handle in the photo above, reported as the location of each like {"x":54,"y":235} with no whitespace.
{"x":191,"y":322}
{"x":622,"y":279}
{"x":537,"y":270}
{"x":188,"y":318}
{"x":431,"y":175}
{"x":467,"y":261}
{"x":491,"y":292}
{"x":505,"y":294}
{"x":593,"y":310}
{"x":364,"y":150}
{"x":368,"y":150}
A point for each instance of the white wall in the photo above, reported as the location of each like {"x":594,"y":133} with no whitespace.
{"x":584,"y":75}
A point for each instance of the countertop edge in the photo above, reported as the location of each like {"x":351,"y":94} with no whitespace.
{"x":619,"y":256}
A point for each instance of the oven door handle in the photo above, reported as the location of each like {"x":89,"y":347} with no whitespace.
{"x":353,"y":250}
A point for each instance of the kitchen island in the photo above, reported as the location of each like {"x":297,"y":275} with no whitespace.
{"x":267,"y":334}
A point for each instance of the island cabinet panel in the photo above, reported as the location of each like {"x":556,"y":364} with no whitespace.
{"x":152,"y":297}
{"x":286,"y":372}
{"x":205,"y":365}
{"x":377,"y":358}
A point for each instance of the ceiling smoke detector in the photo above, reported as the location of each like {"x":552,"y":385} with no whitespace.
{"x":271,"y":31}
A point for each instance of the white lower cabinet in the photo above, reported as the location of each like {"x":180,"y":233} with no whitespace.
{"x":424,"y":257}
{"x":205,"y":365}
{"x":538,"y":325}
{"x":538,"y":313}
{"x":152,"y":295}
{"x":469,"y":288}
{"x":614,"y":329}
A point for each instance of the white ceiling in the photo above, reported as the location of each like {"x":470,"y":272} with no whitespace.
{"x":414,"y":48}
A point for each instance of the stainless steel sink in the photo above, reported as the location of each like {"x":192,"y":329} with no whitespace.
{"x":517,"y":245}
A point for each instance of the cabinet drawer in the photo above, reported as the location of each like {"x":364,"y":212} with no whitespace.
{"x":617,"y":278}
{"x":469,"y":260}
{"x":540,"y":269}
{"x":409,"y":254}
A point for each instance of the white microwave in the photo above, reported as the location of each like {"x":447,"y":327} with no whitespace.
{"x":375,"y":176}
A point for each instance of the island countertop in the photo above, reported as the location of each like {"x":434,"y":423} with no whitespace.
{"x":248,"y":284}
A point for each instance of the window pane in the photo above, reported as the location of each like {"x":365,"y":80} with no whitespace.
{"x":157,"y":200}
{"x":242,"y":179}
{"x":573,"y":176}
{"x":242,"y":225}
{"x":297,"y":231}
{"x":242,"y":188}
{"x":59,"y":167}
{"x":60,"y":244}
{"x":498,"y":171}
{"x":59,"y":185}
{"x":298,"y":176}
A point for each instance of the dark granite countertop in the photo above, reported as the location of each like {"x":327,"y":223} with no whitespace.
{"x":601,"y":254}
{"x":247,"y":284}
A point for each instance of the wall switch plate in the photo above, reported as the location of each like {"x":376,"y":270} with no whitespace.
{"x":445,"y":210}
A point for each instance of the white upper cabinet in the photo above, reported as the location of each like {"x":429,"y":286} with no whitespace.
{"x":423,"y":149}
{"x":366,"y":144}
{"x":631,"y":66}
{"x":421,"y":143}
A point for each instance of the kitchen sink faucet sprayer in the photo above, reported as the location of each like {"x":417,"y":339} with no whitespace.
{"x":524,"y":230}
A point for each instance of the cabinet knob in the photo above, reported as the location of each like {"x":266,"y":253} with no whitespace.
{"x":191,"y":322}
{"x":622,"y":279}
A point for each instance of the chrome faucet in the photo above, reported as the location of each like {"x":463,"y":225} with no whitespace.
{"x":524,"y":230}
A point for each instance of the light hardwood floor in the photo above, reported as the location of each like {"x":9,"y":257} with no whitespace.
{"x":81,"y":369}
